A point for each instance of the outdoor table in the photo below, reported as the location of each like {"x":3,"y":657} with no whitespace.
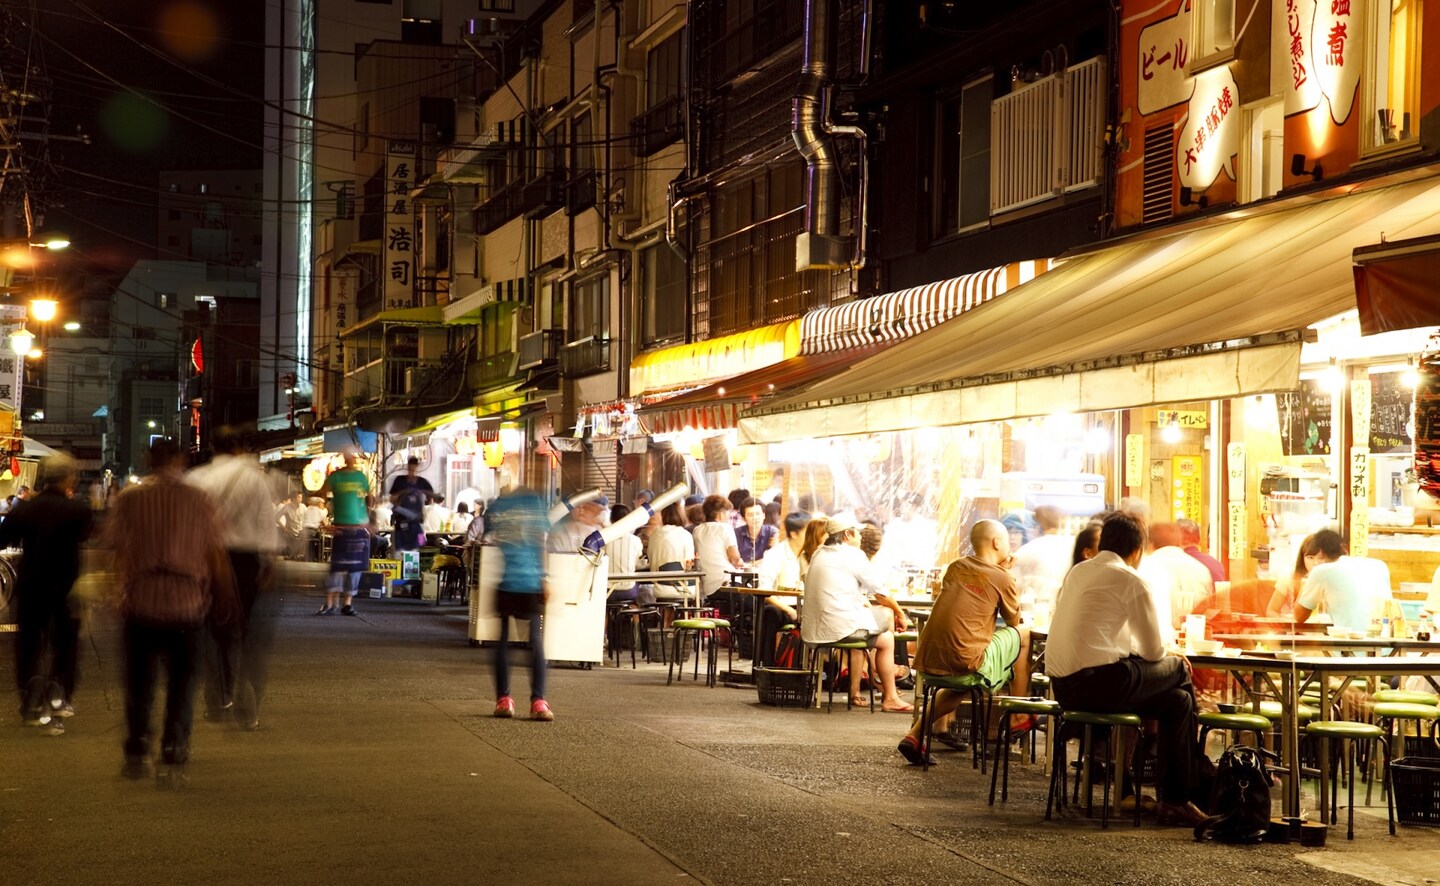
{"x":691,"y":578}
{"x":739,"y":679}
{"x":1322,"y":644}
{"x":1297,"y":673}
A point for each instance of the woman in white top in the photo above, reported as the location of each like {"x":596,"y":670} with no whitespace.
{"x":715,"y":550}
{"x":670,"y":547}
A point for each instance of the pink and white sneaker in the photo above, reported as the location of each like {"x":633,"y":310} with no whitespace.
{"x":505,"y":707}
{"x":539,"y":710}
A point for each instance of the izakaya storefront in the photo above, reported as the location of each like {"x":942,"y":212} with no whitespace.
{"x":1218,"y":374}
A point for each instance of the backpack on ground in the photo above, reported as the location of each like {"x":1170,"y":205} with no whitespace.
{"x":1239,"y":799}
{"x":789,"y":650}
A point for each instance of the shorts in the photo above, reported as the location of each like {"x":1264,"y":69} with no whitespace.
{"x":1000,"y":657}
{"x":350,"y":549}
{"x":509,"y":604}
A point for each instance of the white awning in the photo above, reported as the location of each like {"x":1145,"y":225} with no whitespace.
{"x":1190,"y":315}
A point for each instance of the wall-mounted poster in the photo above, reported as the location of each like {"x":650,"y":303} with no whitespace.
{"x":1305,"y":419}
{"x":1391,"y":405}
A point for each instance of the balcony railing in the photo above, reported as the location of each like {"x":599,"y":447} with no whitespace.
{"x":660,"y":126}
{"x":538,"y":347}
{"x":1047,"y":137}
{"x":727,"y":51}
{"x":587,"y":356}
{"x":492,"y":369}
{"x":580,"y":192}
{"x":388,"y":379}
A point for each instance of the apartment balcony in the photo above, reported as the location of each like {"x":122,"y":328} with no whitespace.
{"x":539,"y":348}
{"x":580,"y":192}
{"x":1047,"y":138}
{"x":390,"y":380}
{"x":492,"y":370}
{"x":588,"y":356}
{"x":658,"y":127}
{"x":729,"y":51}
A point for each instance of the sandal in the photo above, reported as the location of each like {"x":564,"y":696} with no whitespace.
{"x":859,"y":701}
{"x":910,"y":750}
{"x":903,"y":708}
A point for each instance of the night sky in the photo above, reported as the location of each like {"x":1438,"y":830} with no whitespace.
{"x":198,"y":68}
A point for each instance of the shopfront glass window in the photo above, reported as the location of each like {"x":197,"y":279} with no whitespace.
{"x":1392,"y":105}
{"x":1214,"y":28}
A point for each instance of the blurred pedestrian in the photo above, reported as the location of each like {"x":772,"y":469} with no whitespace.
{"x":290,"y":517}
{"x":517,"y":524}
{"x":173,"y":572}
{"x":49,"y":528}
{"x":238,"y":489}
{"x":408,"y":494}
{"x":349,"y":490}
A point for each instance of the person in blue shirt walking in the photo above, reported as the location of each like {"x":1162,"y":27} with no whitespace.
{"x":517,"y":523}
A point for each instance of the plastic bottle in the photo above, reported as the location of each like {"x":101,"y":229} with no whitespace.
{"x":1385,"y":629}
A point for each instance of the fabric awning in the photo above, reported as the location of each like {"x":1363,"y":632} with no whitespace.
{"x":1397,"y":285}
{"x":704,"y":362}
{"x":429,"y":315}
{"x":907,"y":312}
{"x":1196,"y":314}
{"x":717,"y":406}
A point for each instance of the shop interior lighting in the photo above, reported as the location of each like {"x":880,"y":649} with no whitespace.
{"x":34,"y":354}
{"x":72,"y":326}
{"x":1171,"y":433}
{"x":1333,"y":380}
{"x":44,"y":309}
{"x":1411,"y":376}
{"x":1097,"y":441}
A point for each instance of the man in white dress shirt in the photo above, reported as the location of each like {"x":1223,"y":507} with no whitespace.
{"x":1105,"y":654}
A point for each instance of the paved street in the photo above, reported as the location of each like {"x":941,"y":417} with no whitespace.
{"x":377,"y":762}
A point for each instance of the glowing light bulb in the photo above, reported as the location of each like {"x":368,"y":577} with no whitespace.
{"x":1171,"y":433}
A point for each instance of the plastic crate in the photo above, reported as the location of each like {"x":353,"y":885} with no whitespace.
{"x":783,"y":687}
{"x":1416,"y":783}
{"x":1421,"y":746}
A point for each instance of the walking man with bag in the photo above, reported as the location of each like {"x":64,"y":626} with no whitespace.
{"x":166,"y":536}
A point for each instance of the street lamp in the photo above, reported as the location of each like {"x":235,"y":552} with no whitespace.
{"x":44,"y":309}
{"x":22,"y":341}
{"x":53,"y":241}
{"x":72,"y":326}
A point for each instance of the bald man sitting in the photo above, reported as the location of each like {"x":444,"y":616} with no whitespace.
{"x":961,"y":637}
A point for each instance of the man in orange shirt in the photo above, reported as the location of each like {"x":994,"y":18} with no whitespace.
{"x":961,"y":637}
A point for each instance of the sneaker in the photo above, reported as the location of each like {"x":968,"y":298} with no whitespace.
{"x":61,"y":709}
{"x":33,"y":717}
{"x":539,"y":710}
{"x":54,"y":726}
{"x":505,"y":707}
{"x":171,"y":776}
{"x":349,"y":610}
{"x":325,"y":610}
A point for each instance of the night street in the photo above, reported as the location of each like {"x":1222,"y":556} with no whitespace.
{"x":377,"y":762}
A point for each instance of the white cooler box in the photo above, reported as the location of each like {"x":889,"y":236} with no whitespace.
{"x":574,"y":617}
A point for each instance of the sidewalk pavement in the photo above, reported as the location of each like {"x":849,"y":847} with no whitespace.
{"x":378,"y":762}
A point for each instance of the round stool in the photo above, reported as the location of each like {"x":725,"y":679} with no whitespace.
{"x":979,"y":692}
{"x":1388,"y":712}
{"x":1040,"y":685}
{"x":1039,"y":707}
{"x":1407,"y":696}
{"x":701,"y":627}
{"x":1349,"y":732}
{"x":1236,"y":722}
{"x":1091,"y":719}
{"x":817,"y":649}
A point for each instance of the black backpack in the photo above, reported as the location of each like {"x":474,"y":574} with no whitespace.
{"x":1239,"y":799}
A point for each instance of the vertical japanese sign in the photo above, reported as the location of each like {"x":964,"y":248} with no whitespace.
{"x":345,"y":284}
{"x":1134,"y":459}
{"x":1338,"y":47}
{"x":1237,"y":530}
{"x":1210,"y":136}
{"x":1292,"y":24}
{"x":1163,"y":56}
{"x":12,"y":366}
{"x":399,"y":233}
{"x":1235,"y":471}
{"x":1187,"y":480}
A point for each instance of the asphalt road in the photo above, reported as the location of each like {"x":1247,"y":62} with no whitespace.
{"x":378,"y":762}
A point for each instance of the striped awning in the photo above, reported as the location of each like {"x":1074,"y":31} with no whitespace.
{"x":901,"y":314}
{"x":709,"y":417}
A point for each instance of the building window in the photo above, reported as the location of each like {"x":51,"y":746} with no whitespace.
{"x":662,"y":70}
{"x":1391,"y":95}
{"x":164,"y":300}
{"x":172,"y":240}
{"x":962,"y":152}
{"x":662,"y":299}
{"x":589,"y":309}
{"x":245,"y":373}
{"x":152,"y":408}
{"x":1214,"y":32}
{"x":497,"y":5}
{"x":1264,"y":162}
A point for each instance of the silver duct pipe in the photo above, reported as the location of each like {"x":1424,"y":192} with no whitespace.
{"x":820,"y":246}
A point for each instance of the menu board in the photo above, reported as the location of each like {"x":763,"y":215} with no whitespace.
{"x":1391,"y":406}
{"x":1305,"y":419}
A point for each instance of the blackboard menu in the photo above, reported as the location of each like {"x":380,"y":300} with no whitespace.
{"x":1391,"y":404}
{"x":1305,"y":419}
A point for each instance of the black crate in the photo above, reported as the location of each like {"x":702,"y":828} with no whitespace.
{"x":1421,"y":746}
{"x":1416,"y":783}
{"x":784,"y":687}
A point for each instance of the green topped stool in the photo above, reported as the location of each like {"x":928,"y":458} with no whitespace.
{"x":1257,"y":724}
{"x":1389,"y":712}
{"x":979,"y":692}
{"x":1407,"y":696}
{"x":701,"y":627}
{"x":1091,"y":719}
{"x":1348,"y":732}
{"x":1039,"y":707}
{"x":1040,"y":685}
{"x":819,"y":650}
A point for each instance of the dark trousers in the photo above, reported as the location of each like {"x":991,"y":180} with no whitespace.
{"x":44,"y":619}
{"x":228,"y":647}
{"x":145,"y":646}
{"x":537,"y":659}
{"x":771,"y":618}
{"x":1156,"y":690}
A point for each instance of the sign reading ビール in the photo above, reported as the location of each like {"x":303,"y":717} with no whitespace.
{"x":1163,"y":56}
